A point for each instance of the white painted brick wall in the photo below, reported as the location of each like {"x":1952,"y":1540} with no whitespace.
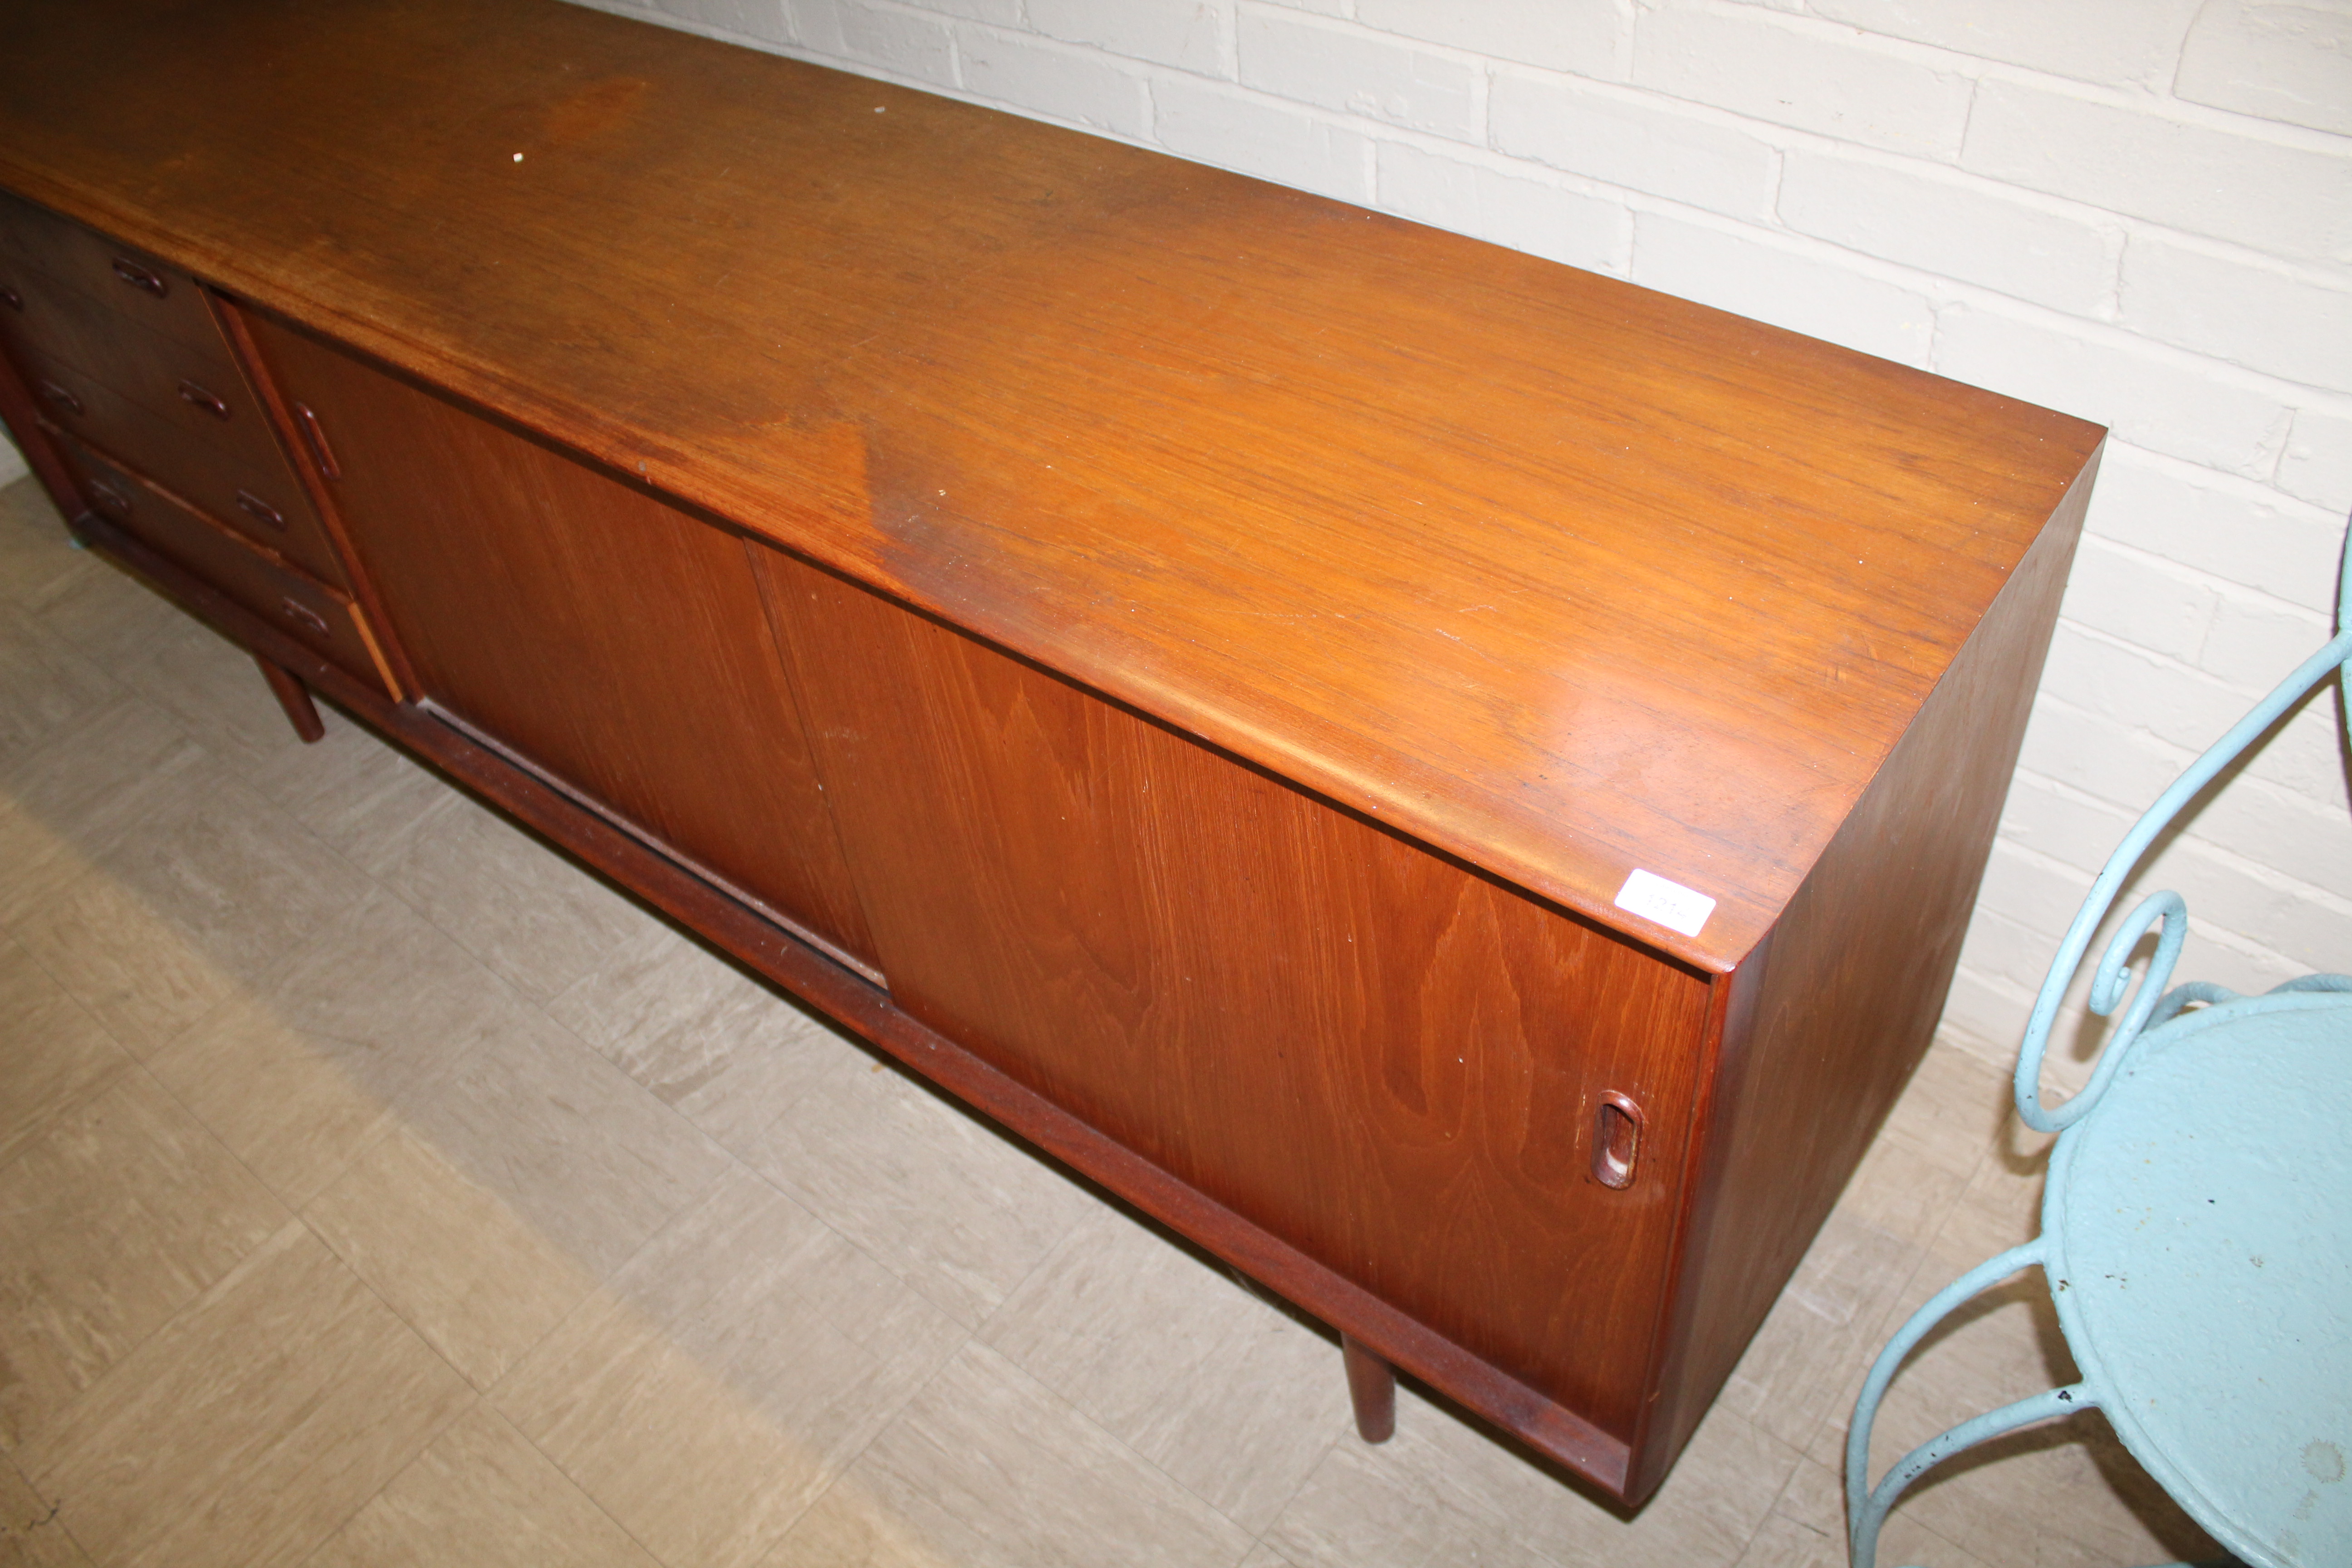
{"x":2139,"y":211}
{"x":2123,"y":43}
{"x":1970,"y":230}
{"x":1495,"y":200}
{"x":1190,"y":35}
{"x":1633,"y":141}
{"x":1589,"y":37}
{"x":1333,"y":66}
{"x":1815,"y":78}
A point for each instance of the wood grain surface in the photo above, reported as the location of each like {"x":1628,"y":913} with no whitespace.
{"x":124,"y":373}
{"x":1826,"y":1024}
{"x":1559,"y":575}
{"x":604,"y":636}
{"x":859,"y":1004}
{"x":317,"y":614}
{"x":1386,"y":1059}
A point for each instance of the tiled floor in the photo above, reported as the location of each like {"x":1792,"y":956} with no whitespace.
{"x":376,"y":1187}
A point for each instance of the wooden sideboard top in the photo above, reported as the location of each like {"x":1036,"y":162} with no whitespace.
{"x":1558,"y":575}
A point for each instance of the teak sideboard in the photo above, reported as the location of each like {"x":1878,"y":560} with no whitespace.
{"x":1192,"y":667}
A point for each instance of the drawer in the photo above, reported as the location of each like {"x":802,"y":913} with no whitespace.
{"x":197,"y":388}
{"x":262,"y":501}
{"x":315,"y":614}
{"x":159,"y":297}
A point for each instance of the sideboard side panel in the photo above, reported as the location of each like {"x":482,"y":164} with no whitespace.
{"x":1389,"y":1061}
{"x":1832,"y":1015}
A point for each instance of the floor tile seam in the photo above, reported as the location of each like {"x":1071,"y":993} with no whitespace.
{"x":335,"y":1534}
{"x":1788,"y":1485}
{"x":814,"y":1205}
{"x":1044,"y":1256}
{"x":1340,"y":1437}
{"x":1341,"y":1428}
{"x":965,"y":1336}
{"x":1874,"y":1336}
{"x":599,"y":1292}
{"x":54,"y":1519}
{"x":1122,"y":1444}
{"x":980,"y":1336}
{"x":1798,"y":1459}
{"x":284,"y":960}
{"x":484,"y":1401}
{"x":430,"y":1437}
{"x":116,"y":688}
{"x":302,"y":1217}
{"x":126,"y":695}
{"x":415,"y":905}
{"x":429,"y":1088}
{"x":1265,"y":1537}
{"x":19,"y":590}
{"x":371,"y":878}
{"x":162,"y":1324}
{"x":1878,"y":1334}
{"x":114,"y":1370}
{"x":842,"y":1474}
{"x":389,"y":1117}
{"x":514,"y":993}
{"x":850,"y":1459}
{"x":72,"y":727}
{"x":680,"y":1118}
{"x":82,"y":1093}
{"x":144,"y":1065}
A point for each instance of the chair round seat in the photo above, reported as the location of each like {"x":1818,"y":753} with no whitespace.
{"x":2201,"y":1222}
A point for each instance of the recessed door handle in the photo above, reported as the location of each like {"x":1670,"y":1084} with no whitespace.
{"x":1616,"y":1140}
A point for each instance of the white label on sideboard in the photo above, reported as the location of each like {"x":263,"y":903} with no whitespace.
{"x":1670,"y":904}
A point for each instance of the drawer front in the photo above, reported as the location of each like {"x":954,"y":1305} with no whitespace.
{"x":322,"y":618}
{"x":159,"y":297}
{"x":197,"y":389}
{"x":263,"y":501}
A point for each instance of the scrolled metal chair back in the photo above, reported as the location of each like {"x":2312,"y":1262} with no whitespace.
{"x":2166,"y":913}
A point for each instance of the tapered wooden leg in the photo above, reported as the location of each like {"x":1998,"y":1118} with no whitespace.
{"x":1371,"y":1384}
{"x":295,"y":698}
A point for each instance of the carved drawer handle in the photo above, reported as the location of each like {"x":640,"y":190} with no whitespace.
{"x":193,"y":393}
{"x":144,"y":279}
{"x":107,"y":499}
{"x":10,"y":297}
{"x":61,"y":398}
{"x":260,"y":511}
{"x":1616,"y":1140}
{"x":316,"y":433}
{"x":303,"y":616}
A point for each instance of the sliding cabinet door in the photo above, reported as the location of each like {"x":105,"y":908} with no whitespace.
{"x":1390,"y":1062}
{"x":607,"y":638}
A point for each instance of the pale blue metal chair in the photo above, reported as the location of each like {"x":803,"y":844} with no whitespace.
{"x":2196,"y":1228}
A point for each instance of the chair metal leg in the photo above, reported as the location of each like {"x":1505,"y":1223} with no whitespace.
{"x":2046,"y":1406}
{"x":1862,"y":1504}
